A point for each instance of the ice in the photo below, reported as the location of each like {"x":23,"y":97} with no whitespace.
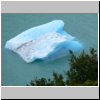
{"x":47,"y":41}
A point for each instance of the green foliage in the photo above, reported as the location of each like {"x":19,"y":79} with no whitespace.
{"x":56,"y":81}
{"x":84,"y":69}
{"x":83,"y":72}
{"x":41,"y":82}
{"x":90,"y":83}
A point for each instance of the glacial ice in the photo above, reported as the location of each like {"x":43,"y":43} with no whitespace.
{"x":47,"y":41}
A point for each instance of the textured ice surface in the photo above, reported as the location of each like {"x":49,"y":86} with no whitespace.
{"x":47,"y":41}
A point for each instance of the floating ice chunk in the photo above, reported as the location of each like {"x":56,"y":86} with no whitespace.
{"x":41,"y":47}
{"x":34,"y":33}
{"x":43,"y":42}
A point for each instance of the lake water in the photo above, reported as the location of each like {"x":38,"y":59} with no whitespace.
{"x":15,"y":72}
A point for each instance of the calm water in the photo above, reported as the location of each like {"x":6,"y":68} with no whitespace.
{"x":15,"y":71}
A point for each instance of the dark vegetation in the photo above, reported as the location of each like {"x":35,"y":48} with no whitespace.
{"x":83,"y":72}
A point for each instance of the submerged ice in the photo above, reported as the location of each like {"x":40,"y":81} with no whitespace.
{"x":47,"y":41}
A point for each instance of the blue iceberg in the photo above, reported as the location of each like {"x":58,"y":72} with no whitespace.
{"x":46,"y":42}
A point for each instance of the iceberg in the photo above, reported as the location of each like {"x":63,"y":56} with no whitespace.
{"x":46,"y":42}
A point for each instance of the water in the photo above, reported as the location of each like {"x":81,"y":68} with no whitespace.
{"x":15,"y":72}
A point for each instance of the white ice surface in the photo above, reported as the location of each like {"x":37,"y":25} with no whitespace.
{"x":43,"y":42}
